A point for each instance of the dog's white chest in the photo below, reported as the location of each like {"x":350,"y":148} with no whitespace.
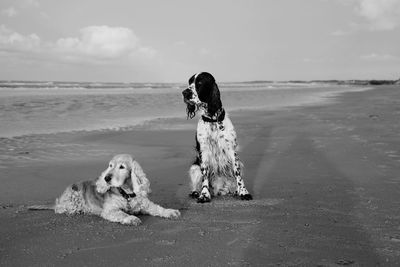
{"x":134,"y":205}
{"x":217,"y":142}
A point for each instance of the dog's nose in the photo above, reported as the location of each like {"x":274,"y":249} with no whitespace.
{"x":187,"y":93}
{"x":107,"y":178}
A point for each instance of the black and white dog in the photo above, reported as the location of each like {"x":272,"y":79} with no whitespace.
{"x":217,"y":169}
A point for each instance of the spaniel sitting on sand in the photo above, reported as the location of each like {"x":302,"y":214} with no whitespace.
{"x":119,"y":192}
{"x":217,"y":168}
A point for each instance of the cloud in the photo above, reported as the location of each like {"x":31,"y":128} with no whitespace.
{"x":100,"y":41}
{"x":16,"y":42}
{"x":379,"y":57}
{"x":317,"y":60}
{"x":9,"y":12}
{"x":340,"y":33}
{"x":380,"y":14}
{"x":204,"y":52}
{"x":103,"y":43}
{"x":44,"y":15}
{"x":95,"y":44}
{"x":31,"y":3}
{"x":180,"y":43}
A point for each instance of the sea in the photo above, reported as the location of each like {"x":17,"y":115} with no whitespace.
{"x":31,"y":107}
{"x":37,"y":118}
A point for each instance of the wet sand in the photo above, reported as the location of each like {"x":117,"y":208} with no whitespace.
{"x":325,"y":181}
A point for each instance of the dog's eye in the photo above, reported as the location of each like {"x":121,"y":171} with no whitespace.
{"x":110,"y":165}
{"x":122,"y":167}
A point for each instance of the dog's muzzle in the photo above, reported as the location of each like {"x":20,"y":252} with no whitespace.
{"x":108,"y":178}
{"x":187,"y":96}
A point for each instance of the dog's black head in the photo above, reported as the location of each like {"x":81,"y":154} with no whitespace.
{"x":202,"y":92}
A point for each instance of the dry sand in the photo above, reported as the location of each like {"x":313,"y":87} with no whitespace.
{"x":325,"y":181}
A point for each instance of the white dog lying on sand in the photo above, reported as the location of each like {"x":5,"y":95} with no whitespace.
{"x":119,"y":192}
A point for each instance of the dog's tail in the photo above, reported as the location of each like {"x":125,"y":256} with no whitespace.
{"x":42,"y":207}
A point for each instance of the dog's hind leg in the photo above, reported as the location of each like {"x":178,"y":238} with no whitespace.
{"x":199,"y":183}
{"x":241,"y":188}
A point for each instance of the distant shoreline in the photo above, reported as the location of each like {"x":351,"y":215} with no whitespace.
{"x":160,"y":85}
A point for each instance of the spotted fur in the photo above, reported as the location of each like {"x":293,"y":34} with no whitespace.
{"x":217,"y":169}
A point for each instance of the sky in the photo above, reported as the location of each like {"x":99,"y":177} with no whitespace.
{"x":168,"y":41}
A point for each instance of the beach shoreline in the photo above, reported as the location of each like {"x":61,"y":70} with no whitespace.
{"x":324,"y":179}
{"x":26,"y":112}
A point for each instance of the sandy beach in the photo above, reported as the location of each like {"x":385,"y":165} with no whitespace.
{"x":325,"y":181}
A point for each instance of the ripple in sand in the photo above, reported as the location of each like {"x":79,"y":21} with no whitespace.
{"x":166,"y":242}
{"x":240,"y":203}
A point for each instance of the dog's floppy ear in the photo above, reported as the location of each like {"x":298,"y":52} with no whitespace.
{"x":101,"y":185}
{"x":214,"y":102}
{"x":140,"y":183}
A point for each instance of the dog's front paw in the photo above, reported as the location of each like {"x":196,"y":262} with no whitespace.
{"x":172,"y":214}
{"x":194,"y":194}
{"x":203,"y":199}
{"x":131,"y":220}
{"x":244,"y":194}
{"x":246,"y":197}
{"x":204,"y":196}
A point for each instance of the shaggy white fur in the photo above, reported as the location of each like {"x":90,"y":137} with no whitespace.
{"x":119,"y":193}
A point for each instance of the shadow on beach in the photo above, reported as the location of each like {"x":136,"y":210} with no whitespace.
{"x":313,"y":223}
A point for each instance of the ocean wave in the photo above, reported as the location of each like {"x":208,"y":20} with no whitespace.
{"x":84,"y":85}
{"x":69,"y":106}
{"x":60,"y":85}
